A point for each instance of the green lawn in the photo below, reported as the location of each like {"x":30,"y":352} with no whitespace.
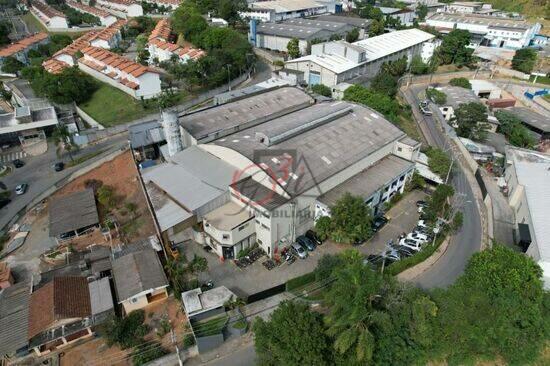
{"x":110,"y":106}
{"x":540,"y":79}
{"x":32,"y":21}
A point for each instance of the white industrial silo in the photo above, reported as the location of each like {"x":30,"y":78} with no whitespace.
{"x":172,"y":132}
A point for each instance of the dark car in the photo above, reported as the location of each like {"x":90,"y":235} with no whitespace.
{"x":18,"y":163}
{"x":4,"y":202}
{"x":310,"y":234}
{"x":379,"y":222}
{"x":306,"y":243}
{"x":421,"y":203}
{"x":59,"y":166}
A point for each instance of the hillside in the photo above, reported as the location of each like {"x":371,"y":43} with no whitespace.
{"x":530,"y":8}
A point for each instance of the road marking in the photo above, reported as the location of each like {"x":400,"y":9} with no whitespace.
{"x":8,"y":157}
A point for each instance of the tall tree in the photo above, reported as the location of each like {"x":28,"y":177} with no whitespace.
{"x":421,"y":12}
{"x":11,"y":65}
{"x":293,"y":48}
{"x":351,"y":220}
{"x":514,"y":130}
{"x":524,"y":60}
{"x":471,"y":119}
{"x":5,"y":30}
{"x":294,"y":335}
{"x":454,"y":48}
{"x":385,"y":83}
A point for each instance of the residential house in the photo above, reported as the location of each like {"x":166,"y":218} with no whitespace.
{"x":73,"y":215}
{"x":27,"y":125}
{"x":139,"y":280}
{"x":14,"y":320}
{"x":105,"y":17}
{"x":121,"y":8}
{"x":132,"y":78}
{"x":201,"y":305}
{"x":162,"y":49}
{"x":49,"y":17}
{"x":20,"y":49}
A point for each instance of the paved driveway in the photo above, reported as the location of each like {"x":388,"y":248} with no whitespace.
{"x":255,"y":278}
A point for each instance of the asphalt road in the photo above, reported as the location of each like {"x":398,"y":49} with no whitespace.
{"x":39,"y":174}
{"x":243,"y":357}
{"x":467,"y":241}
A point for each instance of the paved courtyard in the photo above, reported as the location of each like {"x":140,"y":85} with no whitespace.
{"x":254,"y":278}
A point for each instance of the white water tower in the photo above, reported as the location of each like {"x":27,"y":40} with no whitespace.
{"x":172,"y":132}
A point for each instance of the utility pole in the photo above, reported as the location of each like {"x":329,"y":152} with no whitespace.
{"x":173,"y":337}
{"x":228,"y":78}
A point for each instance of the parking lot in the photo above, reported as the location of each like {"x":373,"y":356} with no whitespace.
{"x":254,"y":278}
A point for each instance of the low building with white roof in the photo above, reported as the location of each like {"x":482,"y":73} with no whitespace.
{"x":105,"y":17}
{"x":528,"y":175}
{"x":200,"y":305}
{"x":277,"y":10}
{"x":121,"y":8}
{"x":332,"y":63}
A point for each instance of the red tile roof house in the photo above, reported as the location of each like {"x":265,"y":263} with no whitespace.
{"x":161,"y":49}
{"x":20,"y":49}
{"x":6,"y":278}
{"x":48,"y":16}
{"x":132,"y":78}
{"x":65,"y":310}
{"x":121,"y":8}
{"x":105,"y":17}
{"x":172,"y":4}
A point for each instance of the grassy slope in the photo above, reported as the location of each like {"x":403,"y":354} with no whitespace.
{"x":534,"y":8}
{"x":110,"y":106}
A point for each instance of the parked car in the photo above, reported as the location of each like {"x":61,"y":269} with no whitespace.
{"x":4,"y":202}
{"x":311,"y":235}
{"x":18,"y":163}
{"x":420,"y":209}
{"x":404,"y":251}
{"x":299,"y":250}
{"x":59,"y":166}
{"x":418,"y":236}
{"x":421,"y":223}
{"x":379,"y":222}
{"x":306,"y":243}
{"x":425,"y":108}
{"x":421,"y":203}
{"x":411,"y":244}
{"x":22,"y":188}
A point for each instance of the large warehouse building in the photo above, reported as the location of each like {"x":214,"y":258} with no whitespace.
{"x":270,"y":157}
{"x":332,"y":63}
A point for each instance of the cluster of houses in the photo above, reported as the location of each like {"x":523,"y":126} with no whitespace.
{"x":162,"y":48}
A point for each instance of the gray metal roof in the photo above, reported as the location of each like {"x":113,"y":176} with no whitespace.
{"x":457,"y":95}
{"x":259,"y":194}
{"x":137,"y":272}
{"x":146,"y":133}
{"x":72,"y":212}
{"x":320,"y":149}
{"x":243,"y":113}
{"x":293,"y":31}
{"x":14,"y":317}
{"x":336,"y":27}
{"x":356,"y":22}
{"x":531,"y":118}
{"x":101,"y":299}
{"x":370,"y":180}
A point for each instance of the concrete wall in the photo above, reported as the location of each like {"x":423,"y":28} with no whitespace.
{"x":209,"y":343}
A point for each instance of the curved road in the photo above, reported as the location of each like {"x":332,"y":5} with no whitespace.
{"x":468,"y":239}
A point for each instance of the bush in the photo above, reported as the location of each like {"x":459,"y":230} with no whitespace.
{"x":300,"y":281}
{"x":188,"y":341}
{"x":461,"y":82}
{"x":436,"y":96}
{"x":146,"y":353}
{"x":106,"y":196}
{"x":126,"y":332}
{"x":322,"y":90}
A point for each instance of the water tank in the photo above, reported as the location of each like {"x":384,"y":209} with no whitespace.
{"x":172,"y":132}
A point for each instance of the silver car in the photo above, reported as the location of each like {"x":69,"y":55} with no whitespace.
{"x":299,"y":250}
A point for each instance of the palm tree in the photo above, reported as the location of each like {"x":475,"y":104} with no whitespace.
{"x":63,"y":139}
{"x":357,"y":306}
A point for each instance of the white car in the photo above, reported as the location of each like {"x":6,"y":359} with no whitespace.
{"x":421,"y":223}
{"x":411,"y":244}
{"x":420,"y":209}
{"x":20,"y":189}
{"x":418,"y":237}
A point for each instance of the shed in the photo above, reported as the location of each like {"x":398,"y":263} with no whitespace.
{"x":72,"y":214}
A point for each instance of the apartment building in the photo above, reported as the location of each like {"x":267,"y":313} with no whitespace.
{"x":132,"y":78}
{"x":105,"y":17}
{"x":162,"y":49}
{"x":121,"y":8}
{"x":20,"y":48}
{"x":48,"y":16}
{"x":254,"y":170}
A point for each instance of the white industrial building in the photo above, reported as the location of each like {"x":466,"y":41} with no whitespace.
{"x":48,"y":16}
{"x":335,"y":62}
{"x":105,"y":17}
{"x":278,"y":10}
{"x":527,"y":176}
{"x":262,"y":175}
{"x":405,"y":16}
{"x":132,"y":78}
{"x":275,"y":36}
{"x":121,"y":8}
{"x":487,"y":30}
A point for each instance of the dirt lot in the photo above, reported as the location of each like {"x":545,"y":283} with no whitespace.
{"x":93,"y":353}
{"x":120,"y":174}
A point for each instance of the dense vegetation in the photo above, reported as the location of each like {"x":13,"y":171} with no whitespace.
{"x":380,"y":102}
{"x":497,"y":308}
{"x":524,"y":60}
{"x":516,"y":133}
{"x":4,"y":32}
{"x":321,"y":90}
{"x":536,"y":8}
{"x":461,"y":82}
{"x":471,"y":121}
{"x":228,"y":52}
{"x":454,"y":50}
{"x":438,"y":161}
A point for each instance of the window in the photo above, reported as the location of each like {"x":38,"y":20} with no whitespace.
{"x":265,"y":226}
{"x":225,"y":236}
{"x":243,"y":227}
{"x":133,"y":300}
{"x":402,"y":178}
{"x":399,"y":148}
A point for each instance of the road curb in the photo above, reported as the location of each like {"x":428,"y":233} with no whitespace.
{"x":411,"y":273}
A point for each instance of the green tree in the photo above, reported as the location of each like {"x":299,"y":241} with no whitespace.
{"x":351,"y":220}
{"x":126,"y":332}
{"x":438,"y":203}
{"x":294,"y":335}
{"x":436,"y":96}
{"x":524,"y":60}
{"x":454,"y":48}
{"x":376,"y":28}
{"x":11,"y":65}
{"x":293,"y":48}
{"x":352,"y":35}
{"x":5,"y":30}
{"x":421,"y":12}
{"x":461,"y":82}
{"x":471,"y":119}
{"x":64,"y":140}
{"x":375,"y":100}
{"x":514,"y":130}
{"x":323,"y":227}
{"x":384,"y":83}
{"x":438,"y":161}
{"x":418,"y":66}
{"x":321,"y":90}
